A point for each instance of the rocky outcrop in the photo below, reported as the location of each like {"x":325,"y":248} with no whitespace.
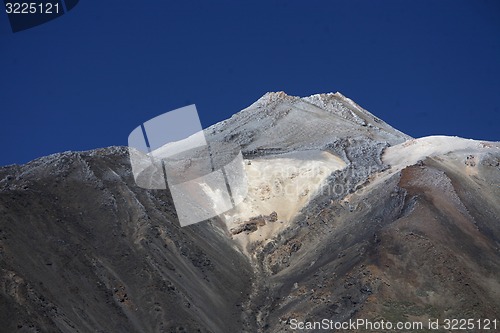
{"x":254,"y":223}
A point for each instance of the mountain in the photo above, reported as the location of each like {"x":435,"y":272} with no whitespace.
{"x":346,"y":218}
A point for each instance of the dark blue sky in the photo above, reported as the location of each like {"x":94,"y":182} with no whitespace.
{"x":86,"y":79}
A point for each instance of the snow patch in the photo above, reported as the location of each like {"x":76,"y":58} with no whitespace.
{"x":410,"y":152}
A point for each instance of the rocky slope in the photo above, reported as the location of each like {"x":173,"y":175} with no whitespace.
{"x":400,"y":229}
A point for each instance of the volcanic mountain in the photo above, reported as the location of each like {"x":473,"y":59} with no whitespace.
{"x":345,"y":218}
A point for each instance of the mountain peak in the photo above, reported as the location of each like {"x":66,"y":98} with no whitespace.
{"x":273,"y":97}
{"x":278,"y":122}
{"x":280,"y":96}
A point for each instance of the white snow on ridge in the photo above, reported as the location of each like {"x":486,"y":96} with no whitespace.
{"x":411,"y":151}
{"x":175,"y":147}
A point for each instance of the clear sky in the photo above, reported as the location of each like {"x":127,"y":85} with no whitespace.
{"x":86,"y":79}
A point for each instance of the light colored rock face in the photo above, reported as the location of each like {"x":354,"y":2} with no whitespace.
{"x":406,"y":228}
{"x":282,"y":185}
